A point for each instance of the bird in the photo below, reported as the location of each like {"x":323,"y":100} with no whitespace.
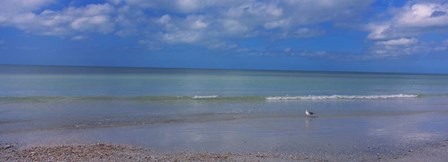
{"x":308,"y":113}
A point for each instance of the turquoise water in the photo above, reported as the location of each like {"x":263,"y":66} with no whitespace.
{"x":221,"y":110}
{"x":115,"y":82}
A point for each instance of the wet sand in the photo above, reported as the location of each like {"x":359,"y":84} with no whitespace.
{"x":112,"y":152}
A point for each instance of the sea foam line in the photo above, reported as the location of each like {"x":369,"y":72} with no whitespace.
{"x":205,"y":97}
{"x":330,"y":97}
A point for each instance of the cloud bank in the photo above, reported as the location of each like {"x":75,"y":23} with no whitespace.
{"x":400,"y":33}
{"x":217,"y":24}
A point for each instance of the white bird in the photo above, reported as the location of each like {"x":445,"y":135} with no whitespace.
{"x":308,"y":113}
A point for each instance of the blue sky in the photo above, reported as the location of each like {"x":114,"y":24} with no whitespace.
{"x":329,"y":35}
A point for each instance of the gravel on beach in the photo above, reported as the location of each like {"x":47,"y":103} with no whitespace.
{"x":114,"y":152}
{"x":109,"y":152}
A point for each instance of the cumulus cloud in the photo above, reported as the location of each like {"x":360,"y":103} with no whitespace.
{"x":249,"y":18}
{"x":423,"y":15}
{"x":399,"y":35}
{"x":164,"y":20}
{"x":182,"y":30}
{"x":182,"y":37}
{"x":196,"y":22}
{"x":210,"y":23}
{"x":378,"y":31}
{"x":405,"y":47}
{"x":411,"y":19}
{"x":90,"y":18}
{"x":230,"y":16}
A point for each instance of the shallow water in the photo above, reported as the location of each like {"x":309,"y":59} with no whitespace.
{"x":207,"y":110}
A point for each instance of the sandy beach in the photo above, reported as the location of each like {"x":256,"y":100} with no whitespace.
{"x":113,"y":152}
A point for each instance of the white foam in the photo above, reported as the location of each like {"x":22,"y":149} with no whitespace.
{"x":330,"y":97}
{"x":205,"y":97}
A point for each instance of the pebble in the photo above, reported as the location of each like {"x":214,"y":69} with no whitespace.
{"x":7,"y":147}
{"x":108,"y":152}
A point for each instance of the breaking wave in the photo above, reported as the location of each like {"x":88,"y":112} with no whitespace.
{"x":205,"y":98}
{"x":333,"y":97}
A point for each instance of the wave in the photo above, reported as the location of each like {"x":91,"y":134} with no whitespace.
{"x":333,"y":97}
{"x":208,"y":98}
{"x":211,"y":98}
{"x":205,"y":97}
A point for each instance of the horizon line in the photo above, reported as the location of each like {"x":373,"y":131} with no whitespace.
{"x":235,"y":69}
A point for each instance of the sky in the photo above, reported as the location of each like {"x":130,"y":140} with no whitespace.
{"x":320,"y":35}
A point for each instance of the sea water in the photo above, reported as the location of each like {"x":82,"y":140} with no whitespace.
{"x":221,"y":110}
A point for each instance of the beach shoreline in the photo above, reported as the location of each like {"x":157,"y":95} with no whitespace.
{"x":437,"y":151}
{"x":208,"y":115}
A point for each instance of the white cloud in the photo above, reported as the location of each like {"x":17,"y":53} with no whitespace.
{"x":182,"y":6}
{"x":196,"y":22}
{"x":268,"y":10}
{"x":405,"y":47}
{"x":209,"y":23}
{"x":411,"y":19}
{"x":91,"y":18}
{"x":188,"y":5}
{"x":277,"y":24}
{"x":164,"y":20}
{"x":378,"y":31}
{"x":182,"y":30}
{"x":233,"y":16}
{"x":399,"y":34}
{"x":423,"y":15}
{"x":399,"y":42}
{"x":182,"y":37}
{"x":19,"y":13}
{"x":214,"y":19}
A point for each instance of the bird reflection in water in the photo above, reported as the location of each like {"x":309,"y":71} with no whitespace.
{"x":309,"y":123}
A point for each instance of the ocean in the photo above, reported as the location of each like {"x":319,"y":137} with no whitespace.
{"x":222,"y":110}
